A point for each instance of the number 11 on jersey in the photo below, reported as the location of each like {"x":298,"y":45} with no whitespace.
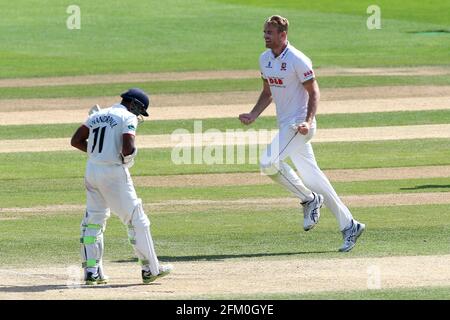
{"x":102,"y":137}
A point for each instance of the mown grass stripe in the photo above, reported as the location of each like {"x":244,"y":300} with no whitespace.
{"x":208,"y":86}
{"x":325,"y":121}
{"x":257,"y":178}
{"x":348,"y":155}
{"x":71,"y":191}
{"x":211,"y":111}
{"x":412,"y":179}
{"x":257,"y":204}
{"x":212,"y":75}
{"x":218,"y":143}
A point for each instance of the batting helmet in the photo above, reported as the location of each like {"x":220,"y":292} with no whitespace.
{"x":140,"y":99}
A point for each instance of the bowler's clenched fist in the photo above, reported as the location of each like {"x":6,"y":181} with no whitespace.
{"x":247,"y":118}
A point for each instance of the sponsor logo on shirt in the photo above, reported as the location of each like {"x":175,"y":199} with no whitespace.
{"x":269,"y":65}
{"x":283,"y":66}
{"x":308,"y":74}
{"x":275,"y":81}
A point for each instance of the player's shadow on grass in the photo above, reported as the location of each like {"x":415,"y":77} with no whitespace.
{"x":428,"y":186}
{"x":226,"y":256}
{"x":51,"y":287}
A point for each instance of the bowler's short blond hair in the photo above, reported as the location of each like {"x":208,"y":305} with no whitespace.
{"x":279,"y":22}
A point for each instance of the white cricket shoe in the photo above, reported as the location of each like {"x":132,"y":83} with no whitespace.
{"x":164,"y":270}
{"x":351,"y":234}
{"x":311,"y":211}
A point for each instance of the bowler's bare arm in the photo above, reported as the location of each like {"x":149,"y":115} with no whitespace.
{"x":312,"y":87}
{"x":264,"y":100}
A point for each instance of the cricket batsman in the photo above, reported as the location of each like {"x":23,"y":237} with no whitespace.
{"x":108,"y":137}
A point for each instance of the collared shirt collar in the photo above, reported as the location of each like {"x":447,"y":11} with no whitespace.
{"x":283,"y":53}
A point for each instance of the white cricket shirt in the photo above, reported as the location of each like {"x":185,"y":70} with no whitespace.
{"x":106,"y":128}
{"x":286,"y":74}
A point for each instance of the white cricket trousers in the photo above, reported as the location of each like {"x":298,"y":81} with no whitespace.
{"x":110,"y":188}
{"x":289,"y":144}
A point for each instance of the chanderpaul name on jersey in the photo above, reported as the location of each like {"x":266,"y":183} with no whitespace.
{"x":103,"y":119}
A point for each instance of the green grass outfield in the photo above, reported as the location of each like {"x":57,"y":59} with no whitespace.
{"x":325,"y":121}
{"x":433,"y":11}
{"x":209,"y":35}
{"x":222,"y":35}
{"x":30,"y":193}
